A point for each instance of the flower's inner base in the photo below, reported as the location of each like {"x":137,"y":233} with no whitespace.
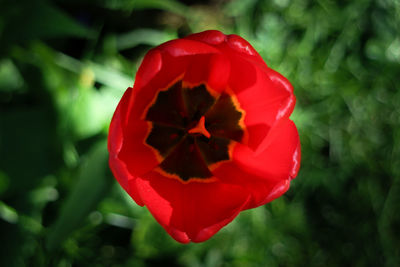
{"x":200,"y":128}
{"x":191,"y":130}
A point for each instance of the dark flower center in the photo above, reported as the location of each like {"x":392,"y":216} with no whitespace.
{"x":192,"y":130}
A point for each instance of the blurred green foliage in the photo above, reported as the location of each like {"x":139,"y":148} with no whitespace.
{"x":65,"y":64}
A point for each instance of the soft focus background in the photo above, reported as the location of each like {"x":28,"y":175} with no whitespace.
{"x":65,"y":64}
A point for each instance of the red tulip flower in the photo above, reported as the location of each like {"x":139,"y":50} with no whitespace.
{"x":204,"y":134}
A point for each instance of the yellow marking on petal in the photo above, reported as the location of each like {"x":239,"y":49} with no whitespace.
{"x":241,"y":123}
{"x":191,"y":179}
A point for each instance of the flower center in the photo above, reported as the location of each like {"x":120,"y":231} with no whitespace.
{"x":200,"y":128}
{"x":192,"y":130}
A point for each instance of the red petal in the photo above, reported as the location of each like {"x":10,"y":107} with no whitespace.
{"x":127,"y":137}
{"x":115,"y":136}
{"x":219,"y":72}
{"x":138,"y":157}
{"x":186,"y":47}
{"x":285,"y":107}
{"x":211,"y":37}
{"x":277,"y":160}
{"x":165,"y":77}
{"x":296,"y":161}
{"x":197,"y":71}
{"x":213,"y":69}
{"x":236,"y":46}
{"x":232,"y":45}
{"x":260,"y":97}
{"x":115,"y":140}
{"x":125,"y":179}
{"x":150,"y":66}
{"x":266,"y":175}
{"x":240,"y":45}
{"x":194,"y":210}
{"x":260,"y":189}
{"x":282,"y":83}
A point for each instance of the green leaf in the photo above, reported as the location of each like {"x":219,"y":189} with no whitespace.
{"x":143,"y":36}
{"x":37,"y":19}
{"x":92,"y":110}
{"x":92,"y":185}
{"x":10,"y":78}
{"x":107,"y":76}
{"x":111,"y":77}
{"x":167,"y":5}
{"x":28,"y":139}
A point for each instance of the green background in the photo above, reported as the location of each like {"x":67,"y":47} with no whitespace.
{"x":65,"y":64}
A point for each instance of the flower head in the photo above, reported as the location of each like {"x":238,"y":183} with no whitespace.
{"x":204,"y":134}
